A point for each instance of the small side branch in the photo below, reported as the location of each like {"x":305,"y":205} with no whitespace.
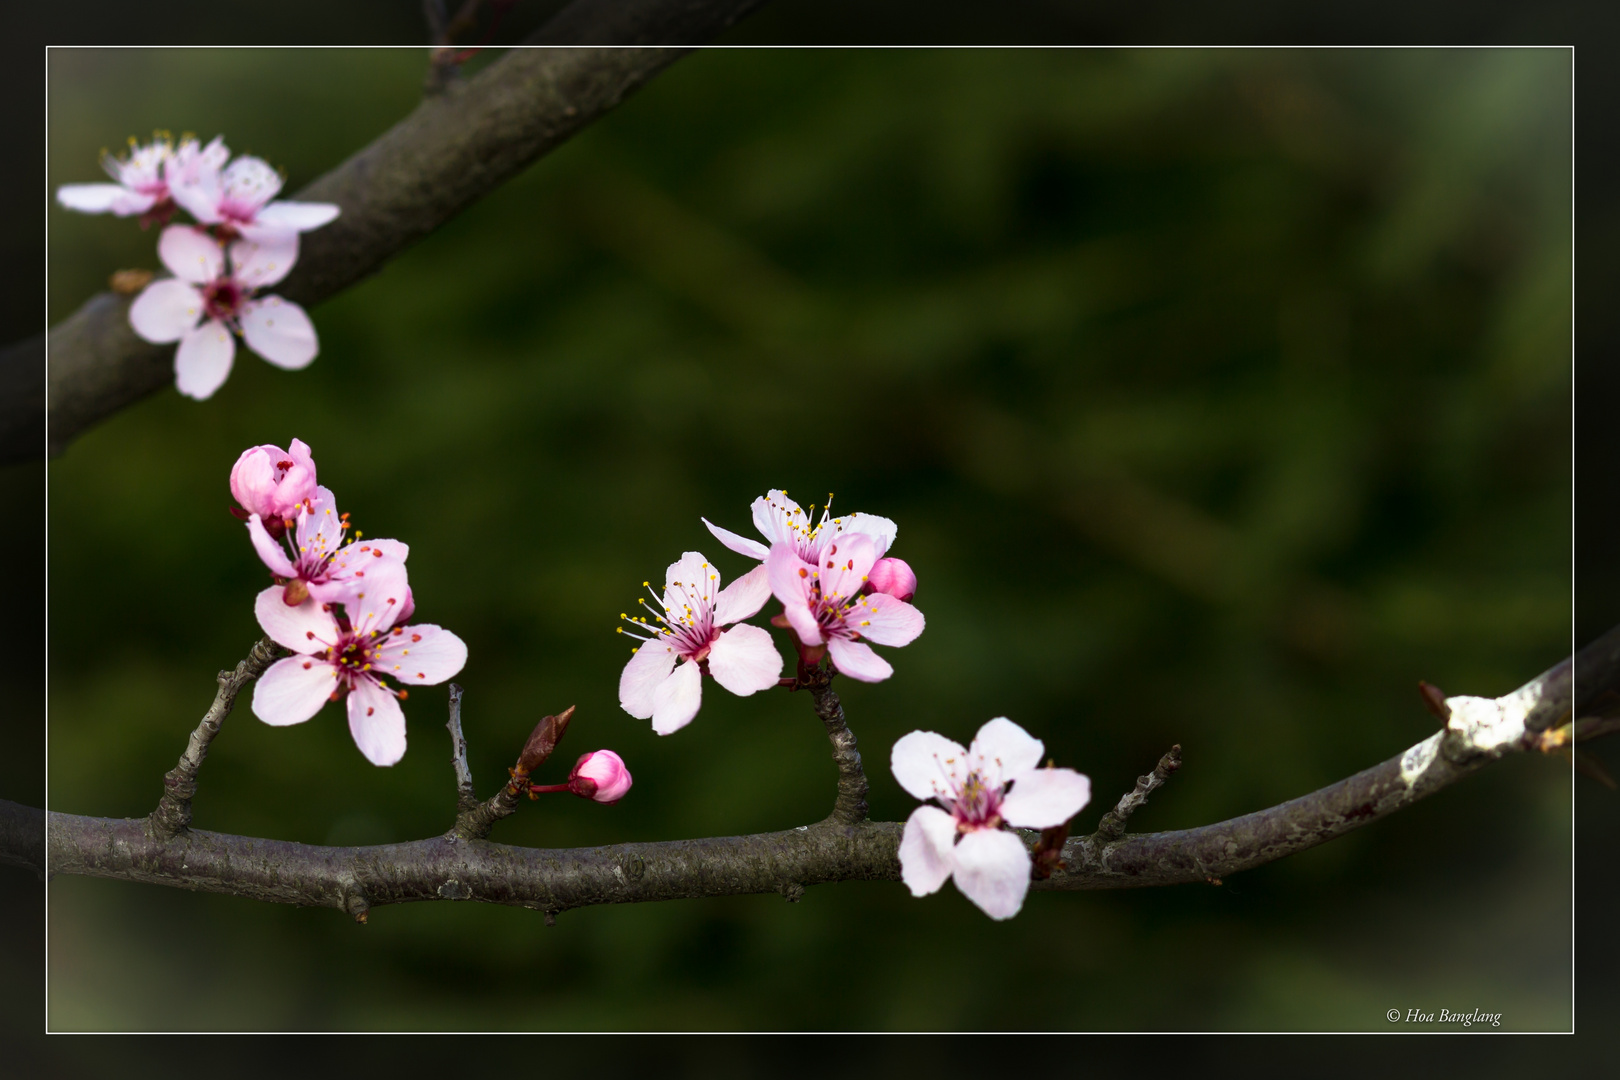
{"x":466,"y":795}
{"x":850,"y":807}
{"x":1112,"y":826}
{"x":173,"y":813}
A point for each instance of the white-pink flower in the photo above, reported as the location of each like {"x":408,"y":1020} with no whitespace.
{"x":321,"y":560}
{"x":206,"y":301}
{"x":144,"y":178}
{"x":965,"y":840}
{"x":362,"y":656}
{"x":272,"y":482}
{"x":780,"y":520}
{"x":238,"y":198}
{"x":663,"y":680}
{"x":825,"y":603}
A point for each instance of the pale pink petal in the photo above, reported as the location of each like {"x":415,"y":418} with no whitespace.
{"x":928,"y":765}
{"x":789,"y":577}
{"x":134,"y":202}
{"x":165,"y":310}
{"x":880,"y":529}
{"x":1007,"y":751}
{"x":191,"y":255}
{"x":257,"y":263}
{"x":779,"y":519}
{"x":199,"y":195}
{"x":373,"y":602}
{"x":992,"y":870}
{"x":293,"y":690}
{"x":926,"y":855}
{"x":844,"y":565}
{"x":421,"y":655}
{"x":203,"y":361}
{"x":253,"y":479}
{"x":881,"y":618}
{"x":894,"y":577}
{"x":303,"y":629}
{"x":279,"y":331}
{"x":691,"y":573}
{"x":857,"y":660}
{"x":744,"y":660}
{"x":743,"y":598}
{"x":376,"y":722}
{"x":298,"y":216}
{"x":89,"y":198}
{"x":1042,"y":798}
{"x":249,"y":183}
{"x":650,"y":666}
{"x":271,"y":551}
{"x":676,"y":699}
{"x":740,"y":544}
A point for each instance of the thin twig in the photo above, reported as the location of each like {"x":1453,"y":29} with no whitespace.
{"x":466,"y":795}
{"x":1112,"y":825}
{"x":850,"y":807}
{"x":173,"y":813}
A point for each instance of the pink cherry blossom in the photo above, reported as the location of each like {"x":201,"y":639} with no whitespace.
{"x":238,"y":198}
{"x":315,"y":556}
{"x":825,"y":603}
{"x":965,"y":841}
{"x":662,"y":681}
{"x":359,"y":655}
{"x":206,"y":301}
{"x":600,"y":775}
{"x":892,"y":576}
{"x":144,"y":178}
{"x":272,"y":482}
{"x":780,"y":520}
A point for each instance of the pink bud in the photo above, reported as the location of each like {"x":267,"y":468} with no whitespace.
{"x":892,"y":576}
{"x":600,"y":775}
{"x":270,"y":481}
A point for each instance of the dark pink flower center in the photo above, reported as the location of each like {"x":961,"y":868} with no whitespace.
{"x":978,"y":805}
{"x":222,"y":298}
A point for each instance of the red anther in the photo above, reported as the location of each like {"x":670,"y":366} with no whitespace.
{"x":403,"y":694}
{"x":334,"y":696}
{"x":414,"y":637}
{"x":803,"y":572}
{"x":307,"y":663}
{"x":284,"y":464}
{"x":375,"y":552}
{"x":370,"y":710}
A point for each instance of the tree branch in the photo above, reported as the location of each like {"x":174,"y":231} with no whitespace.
{"x":452,"y":150}
{"x":1477,"y":732}
{"x":1112,"y":825}
{"x":850,"y":807}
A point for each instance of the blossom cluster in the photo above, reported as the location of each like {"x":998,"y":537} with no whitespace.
{"x":244,"y":241}
{"x":340,"y":603}
{"x":838,"y":588}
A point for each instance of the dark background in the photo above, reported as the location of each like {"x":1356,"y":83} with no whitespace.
{"x":1218,"y":396}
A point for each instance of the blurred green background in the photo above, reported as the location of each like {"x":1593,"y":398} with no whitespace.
{"x":1219,"y":396}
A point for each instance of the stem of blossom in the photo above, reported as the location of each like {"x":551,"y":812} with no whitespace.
{"x":1112,"y":825}
{"x":850,"y":808}
{"x":173,"y":813}
{"x":466,"y":794}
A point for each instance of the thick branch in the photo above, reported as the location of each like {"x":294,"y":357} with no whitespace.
{"x":454,"y":149}
{"x":1480,"y":731}
{"x":173,"y":813}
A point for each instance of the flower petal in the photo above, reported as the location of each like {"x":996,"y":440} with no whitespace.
{"x":376,"y":722}
{"x":880,"y":529}
{"x":376,"y":600}
{"x":249,"y":182}
{"x":926,"y":855}
{"x":165,"y":310}
{"x":260,"y":262}
{"x":844,"y":565}
{"x":1042,"y":798}
{"x":884,"y":619}
{"x":303,"y":629}
{"x":789,"y":577}
{"x":676,"y":699}
{"x":191,"y":255}
{"x":273,"y":554}
{"x":89,"y":198}
{"x":740,"y":544}
{"x":421,"y":655}
{"x":928,"y":765}
{"x":857,"y":660}
{"x":1006,"y":751}
{"x":298,"y":216}
{"x":779,"y":519}
{"x":650,"y":666}
{"x":279,"y":331}
{"x":744,"y":660}
{"x":293,"y":690}
{"x":743,"y":598}
{"x":202,"y":363}
{"x":992,"y":870}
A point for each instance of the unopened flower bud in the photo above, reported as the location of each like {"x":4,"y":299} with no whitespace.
{"x":543,"y":740}
{"x":271,"y":482}
{"x":600,"y":775}
{"x":892,"y":576}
